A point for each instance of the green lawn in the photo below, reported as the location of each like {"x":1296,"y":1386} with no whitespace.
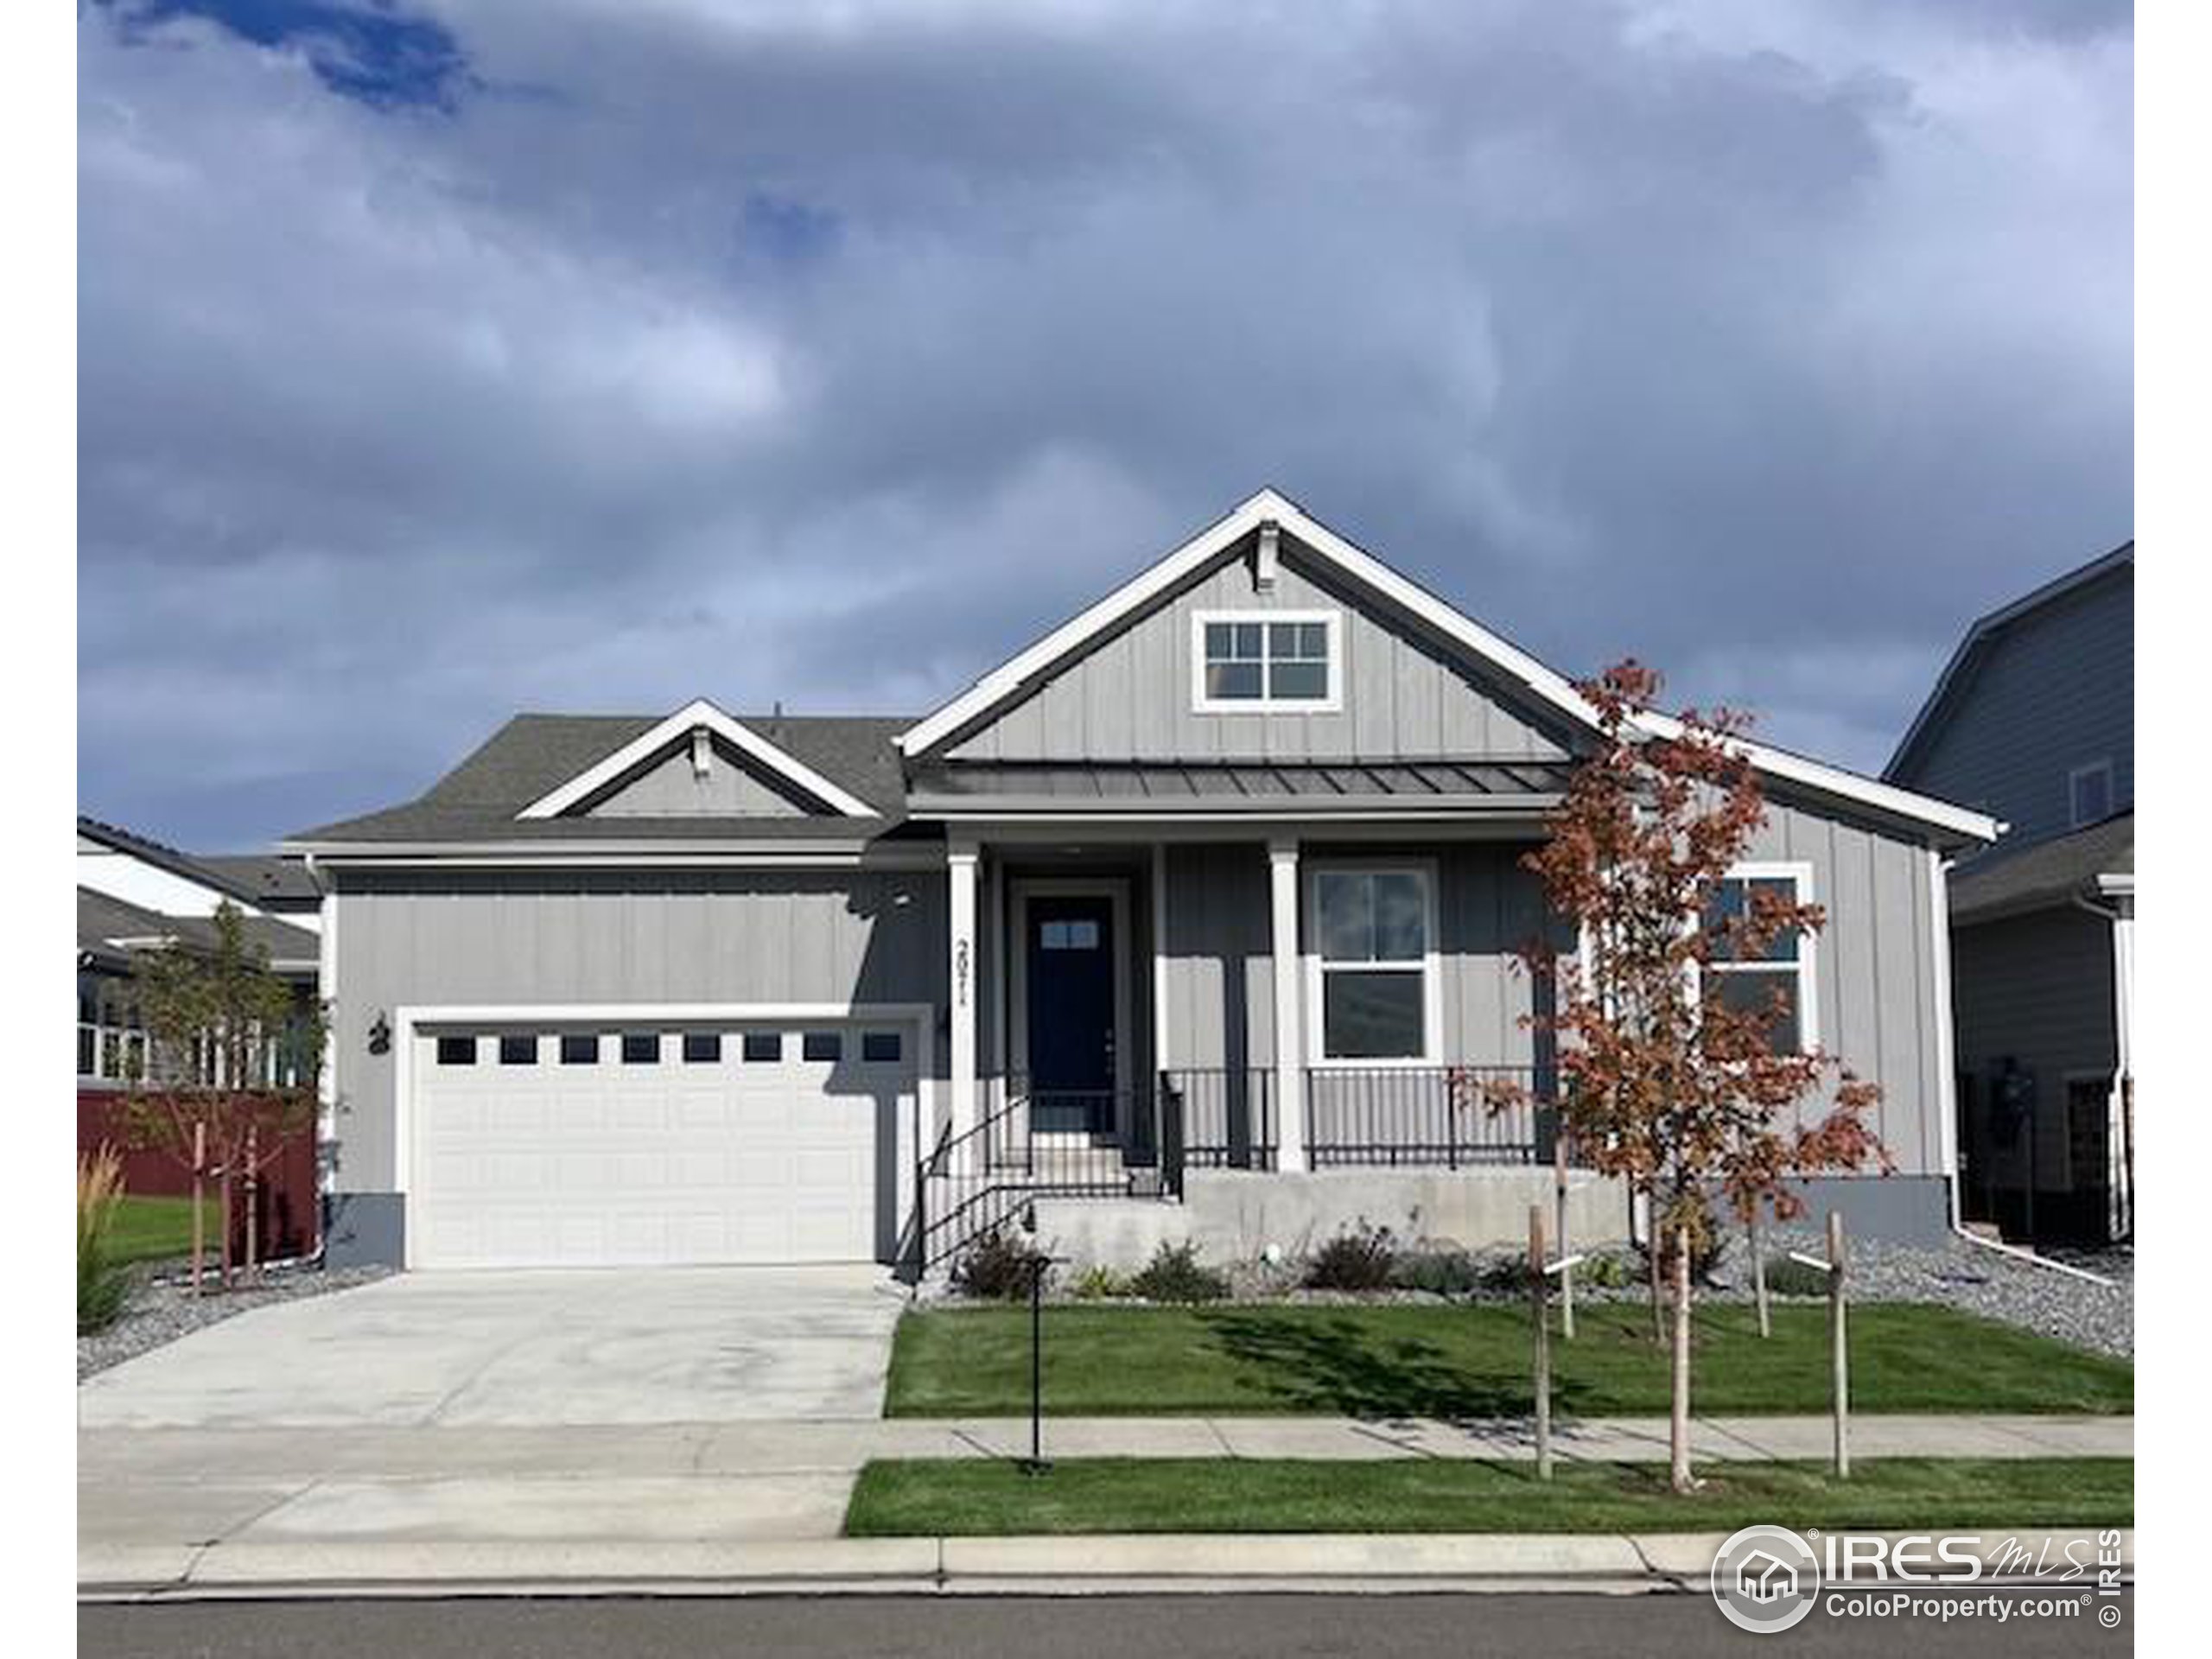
{"x":987,"y":1497}
{"x":1472,"y":1362}
{"x":145,"y":1229}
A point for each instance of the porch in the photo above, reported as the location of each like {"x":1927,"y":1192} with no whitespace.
{"x":1124,"y":1014}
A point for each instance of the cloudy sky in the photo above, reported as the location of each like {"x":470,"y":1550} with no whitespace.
{"x":440,"y":359}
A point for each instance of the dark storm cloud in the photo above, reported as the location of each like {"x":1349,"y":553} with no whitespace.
{"x":437,"y":361}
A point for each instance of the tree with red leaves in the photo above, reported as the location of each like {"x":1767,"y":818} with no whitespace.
{"x":1685,"y":1095}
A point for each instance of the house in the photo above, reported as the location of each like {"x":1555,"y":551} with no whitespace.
{"x":2033,"y":721}
{"x":1190,"y":918}
{"x":135,"y":894}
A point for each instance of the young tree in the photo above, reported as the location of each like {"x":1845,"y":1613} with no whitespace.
{"x":1687,"y":1095}
{"x":230,"y":1067}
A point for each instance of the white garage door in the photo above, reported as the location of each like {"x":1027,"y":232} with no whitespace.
{"x":561,"y":1145}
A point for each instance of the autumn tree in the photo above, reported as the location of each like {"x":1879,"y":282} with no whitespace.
{"x":1673,"y":1078}
{"x":230,"y":1067}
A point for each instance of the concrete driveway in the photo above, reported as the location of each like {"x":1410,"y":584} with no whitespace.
{"x":547,"y":1349}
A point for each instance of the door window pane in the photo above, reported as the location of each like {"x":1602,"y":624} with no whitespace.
{"x":580,"y":1048}
{"x":518,"y":1050}
{"x":880,"y":1048}
{"x":764,"y":1046}
{"x":640,"y":1047}
{"x":456,"y":1050}
{"x":824,"y":1046}
{"x":702,"y":1047}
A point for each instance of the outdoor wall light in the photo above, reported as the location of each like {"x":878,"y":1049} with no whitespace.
{"x":380,"y":1036}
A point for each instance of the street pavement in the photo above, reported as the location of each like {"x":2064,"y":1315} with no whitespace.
{"x":1651,"y":1626}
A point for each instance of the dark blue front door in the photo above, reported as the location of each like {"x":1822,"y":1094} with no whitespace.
{"x":1070,"y":971}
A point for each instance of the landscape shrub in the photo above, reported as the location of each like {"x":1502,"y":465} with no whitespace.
{"x":1787,"y":1278}
{"x":997,"y":1267}
{"x":1440,"y":1273}
{"x":1099,"y":1283}
{"x":1175,"y":1274}
{"x":103,"y":1282}
{"x":1360,"y":1259}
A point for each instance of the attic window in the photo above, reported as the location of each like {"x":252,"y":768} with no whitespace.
{"x":1249,"y":660}
{"x":2089,"y":793}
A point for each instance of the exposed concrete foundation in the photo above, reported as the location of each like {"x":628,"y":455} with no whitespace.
{"x":362,"y":1229}
{"x":1234,"y":1215}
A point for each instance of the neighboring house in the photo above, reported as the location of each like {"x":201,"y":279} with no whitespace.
{"x":2033,"y":720}
{"x":134,"y":894}
{"x":1204,"y":906}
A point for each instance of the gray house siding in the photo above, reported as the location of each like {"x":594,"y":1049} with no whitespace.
{"x":627,"y":936}
{"x":671,"y":788}
{"x":1874,"y":970}
{"x":1130,"y":698}
{"x":2035,"y":989}
{"x":2051,"y":692}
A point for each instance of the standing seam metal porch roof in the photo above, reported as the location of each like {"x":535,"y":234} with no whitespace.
{"x":1186,"y":785}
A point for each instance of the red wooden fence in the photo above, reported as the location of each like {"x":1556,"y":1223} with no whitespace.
{"x":287,"y":1200}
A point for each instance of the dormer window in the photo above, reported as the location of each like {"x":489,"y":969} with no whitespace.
{"x":1246,"y":661}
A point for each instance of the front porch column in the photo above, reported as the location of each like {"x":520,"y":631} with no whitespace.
{"x":1290,"y":1072}
{"x":960,"y":867}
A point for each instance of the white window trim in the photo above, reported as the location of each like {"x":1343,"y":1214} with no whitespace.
{"x":2073,"y":776}
{"x":1265,"y":703}
{"x":1431,"y":964}
{"x":1799,"y":873}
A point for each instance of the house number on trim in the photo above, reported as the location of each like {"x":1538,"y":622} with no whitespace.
{"x":960,"y":973}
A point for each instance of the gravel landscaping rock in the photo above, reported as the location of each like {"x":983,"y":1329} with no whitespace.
{"x":162,"y":1309}
{"x":1953,"y":1275}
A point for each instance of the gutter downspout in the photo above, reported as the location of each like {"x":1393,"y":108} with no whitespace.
{"x":1939,"y":869}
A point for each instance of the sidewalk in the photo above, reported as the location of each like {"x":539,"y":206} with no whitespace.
{"x":169,"y":1507}
{"x":1614,"y":1564}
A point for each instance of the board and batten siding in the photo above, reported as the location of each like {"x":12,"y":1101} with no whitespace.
{"x":593,"y":938}
{"x":1875,"y":988}
{"x":1874,"y":967}
{"x":671,"y":788}
{"x":2051,"y":692}
{"x":2037,"y":989}
{"x":1220,"y":965}
{"x":1130,"y":698}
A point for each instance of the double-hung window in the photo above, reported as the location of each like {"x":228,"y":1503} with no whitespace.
{"x":1243,"y":661}
{"x":1373,"y":956}
{"x":1750,"y":983}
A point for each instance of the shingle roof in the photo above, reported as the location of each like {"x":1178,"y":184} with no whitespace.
{"x":264,"y":878}
{"x":534,"y":755}
{"x":2045,"y":871}
{"x":104,"y":921}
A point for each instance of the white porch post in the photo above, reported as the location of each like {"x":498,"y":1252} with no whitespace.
{"x":2121,"y":1217}
{"x":1290,"y":1072}
{"x":960,"y":868}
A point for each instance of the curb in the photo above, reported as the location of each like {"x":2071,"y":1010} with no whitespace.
{"x":1147,"y":1564}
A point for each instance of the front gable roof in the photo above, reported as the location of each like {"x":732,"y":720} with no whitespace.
{"x":480,"y":801}
{"x":1269,"y":514}
{"x":1971,"y":650}
{"x":696,"y":716}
